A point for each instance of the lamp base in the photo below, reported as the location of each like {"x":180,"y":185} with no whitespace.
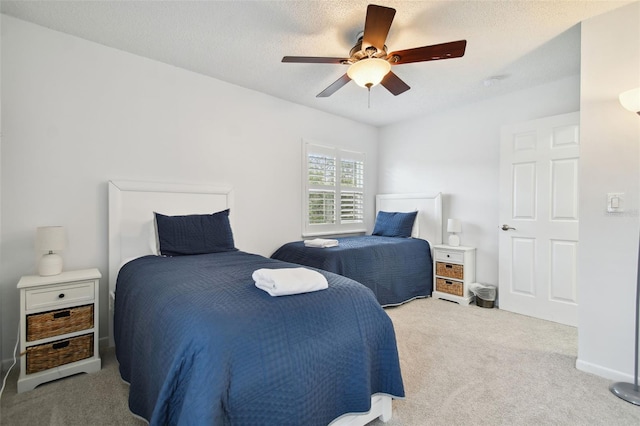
{"x":626,"y":391}
{"x":454,"y":240}
{"x":50,"y":264}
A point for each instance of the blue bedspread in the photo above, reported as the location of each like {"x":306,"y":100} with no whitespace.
{"x":396,"y":269}
{"x":201,"y":345}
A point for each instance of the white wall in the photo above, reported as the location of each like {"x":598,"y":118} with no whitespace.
{"x":610,"y":162}
{"x":457,"y":152}
{"x":76,"y":114}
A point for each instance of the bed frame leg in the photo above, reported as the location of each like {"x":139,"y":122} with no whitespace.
{"x":386,"y":409}
{"x":380,"y":409}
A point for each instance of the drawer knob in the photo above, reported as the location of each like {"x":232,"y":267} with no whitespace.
{"x":61,"y":296}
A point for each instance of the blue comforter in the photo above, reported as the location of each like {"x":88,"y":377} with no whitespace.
{"x":201,"y":345}
{"x":396,"y":269}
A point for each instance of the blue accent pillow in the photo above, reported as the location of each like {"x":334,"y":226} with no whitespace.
{"x":394,"y":224}
{"x":194,"y":234}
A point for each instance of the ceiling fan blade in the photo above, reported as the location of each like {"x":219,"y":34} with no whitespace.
{"x":376,"y":26}
{"x":334,"y":87}
{"x":393,"y":84}
{"x":313,"y":60}
{"x":454,"y":49}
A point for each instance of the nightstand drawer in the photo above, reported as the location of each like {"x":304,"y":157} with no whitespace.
{"x":449,"y":286}
{"x":55,"y":354}
{"x":52,"y":296}
{"x":61,"y":321}
{"x":450,"y":270}
{"x":449,"y":256}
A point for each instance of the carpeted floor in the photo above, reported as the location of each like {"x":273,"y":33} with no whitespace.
{"x":461,"y":366}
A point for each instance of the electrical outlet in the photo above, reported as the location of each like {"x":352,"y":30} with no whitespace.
{"x":615,"y":202}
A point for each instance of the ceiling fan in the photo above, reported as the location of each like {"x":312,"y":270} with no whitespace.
{"x":370,"y":64}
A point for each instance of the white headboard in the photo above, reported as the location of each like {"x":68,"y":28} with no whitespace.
{"x":131,"y":207}
{"x":429,"y":207}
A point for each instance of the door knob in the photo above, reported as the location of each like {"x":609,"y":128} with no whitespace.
{"x":507,"y":227}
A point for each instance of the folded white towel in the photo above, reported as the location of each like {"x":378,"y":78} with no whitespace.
{"x":285,"y":281}
{"x":320,"y":243}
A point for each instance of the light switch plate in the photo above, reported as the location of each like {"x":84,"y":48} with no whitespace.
{"x":615,"y":202}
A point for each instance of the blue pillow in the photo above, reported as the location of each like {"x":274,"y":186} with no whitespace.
{"x":194,"y":234}
{"x":394,"y":224}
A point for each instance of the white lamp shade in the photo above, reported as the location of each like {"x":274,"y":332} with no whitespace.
{"x":454,"y":225}
{"x":50,"y":238}
{"x":631,"y":100}
{"x":369,"y":72}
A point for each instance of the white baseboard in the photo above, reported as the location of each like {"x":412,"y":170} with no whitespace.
{"x":607,"y":373}
{"x":103,"y":342}
{"x":6,"y":363}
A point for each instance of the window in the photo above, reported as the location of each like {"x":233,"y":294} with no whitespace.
{"x":333,"y":190}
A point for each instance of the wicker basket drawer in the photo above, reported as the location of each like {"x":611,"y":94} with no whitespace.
{"x":54,"y":354}
{"x":450,"y":270}
{"x":449,"y":286}
{"x":61,"y":321}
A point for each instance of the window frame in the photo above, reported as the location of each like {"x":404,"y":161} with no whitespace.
{"x":339,"y":226}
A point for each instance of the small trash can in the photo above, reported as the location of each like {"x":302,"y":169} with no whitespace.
{"x":485,"y":294}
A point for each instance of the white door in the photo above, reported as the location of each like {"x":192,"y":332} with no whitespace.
{"x":539,"y":206}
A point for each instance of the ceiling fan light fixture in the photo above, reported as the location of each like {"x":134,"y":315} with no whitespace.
{"x":370,"y":64}
{"x":368,"y":72}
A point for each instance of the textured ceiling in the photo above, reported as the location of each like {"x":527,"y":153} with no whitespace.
{"x":520,"y":43}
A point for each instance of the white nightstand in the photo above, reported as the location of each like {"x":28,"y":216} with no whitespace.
{"x":58,"y":326}
{"x":453,"y":270}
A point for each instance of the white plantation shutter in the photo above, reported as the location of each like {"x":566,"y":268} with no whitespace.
{"x":321,"y":183}
{"x":333,"y":191}
{"x":352,"y":187}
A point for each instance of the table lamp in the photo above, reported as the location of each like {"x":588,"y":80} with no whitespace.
{"x":50,"y":239}
{"x":454,"y":226}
